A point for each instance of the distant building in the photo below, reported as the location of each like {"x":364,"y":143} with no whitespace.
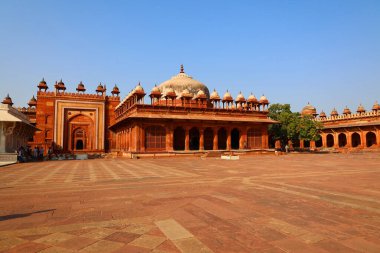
{"x":360,"y":130}
{"x":15,"y":130}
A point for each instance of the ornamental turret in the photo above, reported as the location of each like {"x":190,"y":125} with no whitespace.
{"x":32,"y":102}
{"x":81,"y":87}
{"x":7,"y":100}
{"x":115,"y":91}
{"x":360,"y":109}
{"x":60,"y":86}
{"x":334,"y":113}
{"x":100,"y":89}
{"x":346,"y":111}
{"x":42,"y":85}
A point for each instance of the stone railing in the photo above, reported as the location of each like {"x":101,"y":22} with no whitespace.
{"x":349,"y":116}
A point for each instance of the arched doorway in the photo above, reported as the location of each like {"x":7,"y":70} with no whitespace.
{"x":179,"y":139}
{"x":330,"y":140}
{"x":318,"y":143}
{"x":370,"y":139}
{"x":208,"y":137}
{"x":222,"y":138}
{"x":79,"y":145}
{"x":235,"y":137}
{"x":194,"y":139}
{"x":342,"y":140}
{"x":306,"y":144}
{"x":254,"y":138}
{"x":355,"y":140}
{"x":155,"y":138}
{"x":79,"y":139}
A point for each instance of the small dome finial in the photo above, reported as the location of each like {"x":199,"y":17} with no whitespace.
{"x":182,"y":69}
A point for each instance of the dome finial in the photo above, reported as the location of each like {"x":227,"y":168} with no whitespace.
{"x":182,"y":69}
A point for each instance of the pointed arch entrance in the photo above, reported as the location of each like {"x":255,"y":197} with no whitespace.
{"x":370,"y":139}
{"x":194,"y":138}
{"x":179,"y":139}
{"x":208,"y":138}
{"x":222,"y":138}
{"x":342,"y":140}
{"x":235,"y":138}
{"x":330,"y":140}
{"x":81,"y":133}
{"x":355,"y":140}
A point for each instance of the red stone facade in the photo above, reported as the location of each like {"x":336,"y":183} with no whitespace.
{"x":72,"y":122}
{"x":181,"y":116}
{"x":360,"y":130}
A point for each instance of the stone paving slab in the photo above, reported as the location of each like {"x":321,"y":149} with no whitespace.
{"x":290,"y":203}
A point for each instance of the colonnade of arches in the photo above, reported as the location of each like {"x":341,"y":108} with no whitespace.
{"x":181,"y":138}
{"x":359,"y":139}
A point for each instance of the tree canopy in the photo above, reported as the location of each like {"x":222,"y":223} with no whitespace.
{"x":292,"y":126}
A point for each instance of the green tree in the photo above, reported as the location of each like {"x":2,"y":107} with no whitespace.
{"x":292,"y":126}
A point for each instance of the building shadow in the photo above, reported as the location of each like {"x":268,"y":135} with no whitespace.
{"x":22,"y":215}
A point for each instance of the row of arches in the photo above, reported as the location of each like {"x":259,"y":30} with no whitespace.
{"x":202,"y":139}
{"x":370,"y":140}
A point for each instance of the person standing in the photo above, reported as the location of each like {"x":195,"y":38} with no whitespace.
{"x":41,"y":153}
{"x":35,"y":153}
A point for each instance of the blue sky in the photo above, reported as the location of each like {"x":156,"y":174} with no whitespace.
{"x":323,"y":52}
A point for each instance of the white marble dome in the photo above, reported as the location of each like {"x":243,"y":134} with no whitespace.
{"x":181,"y":82}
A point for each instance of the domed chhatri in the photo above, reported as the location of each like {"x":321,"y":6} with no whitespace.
{"x":227,"y":97}
{"x":155,"y":92}
{"x":360,"y":109}
{"x":115,"y":91}
{"x":346,"y":111}
{"x":263,"y":100}
{"x":100,"y":89}
{"x":252,"y":99}
{"x":32,"y":102}
{"x":183,"y":81}
{"x":81,"y":87}
{"x":375,"y":107}
{"x":334,"y":113}
{"x":215,"y":96}
{"x":7,"y":100}
{"x":42,"y":85}
{"x":322,"y":115}
{"x":60,"y":86}
{"x":240,"y":98}
{"x":309,"y":110}
{"x":139,"y":89}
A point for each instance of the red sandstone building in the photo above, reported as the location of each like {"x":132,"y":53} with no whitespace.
{"x":349,"y":130}
{"x":180,"y":115}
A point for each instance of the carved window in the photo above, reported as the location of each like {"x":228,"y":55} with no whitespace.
{"x":155,"y":138}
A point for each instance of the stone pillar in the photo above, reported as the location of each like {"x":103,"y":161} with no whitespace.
{"x":169,"y":138}
{"x":363,"y":139}
{"x":187,"y":139}
{"x":130,"y":139}
{"x":336,"y":140}
{"x":142,"y":139}
{"x":302,"y":144}
{"x":243,"y":139}
{"x":312,"y":145}
{"x":215,"y":140}
{"x":228,"y":139}
{"x":378,"y":137}
{"x":201,"y":139}
{"x":349,"y":140}
{"x":264,"y":139}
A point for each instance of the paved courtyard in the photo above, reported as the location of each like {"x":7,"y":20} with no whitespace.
{"x":292,"y":203}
